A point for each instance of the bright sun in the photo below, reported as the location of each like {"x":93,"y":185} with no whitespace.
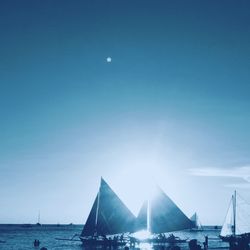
{"x":109,"y":59}
{"x":134,"y":186}
{"x":142,"y":235}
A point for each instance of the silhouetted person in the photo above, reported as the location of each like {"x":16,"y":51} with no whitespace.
{"x":193,"y":245}
{"x":109,"y":242}
{"x":121,"y":238}
{"x":132,"y":242}
{"x":205,"y":243}
{"x":115,"y":242}
{"x":36,"y":243}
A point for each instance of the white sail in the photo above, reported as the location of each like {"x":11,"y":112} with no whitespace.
{"x":242,"y":217}
{"x":237,"y":220}
{"x":227,"y":228}
{"x":196,"y":224}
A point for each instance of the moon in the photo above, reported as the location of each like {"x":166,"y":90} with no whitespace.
{"x":109,"y":59}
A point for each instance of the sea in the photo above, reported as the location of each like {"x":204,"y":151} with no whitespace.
{"x":21,"y":237}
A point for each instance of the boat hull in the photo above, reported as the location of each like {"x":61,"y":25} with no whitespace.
{"x":101,"y":242}
{"x":196,"y":230}
{"x":235,"y":238}
{"x":169,"y":241}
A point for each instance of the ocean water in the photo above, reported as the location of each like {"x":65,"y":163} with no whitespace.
{"x":21,"y":237}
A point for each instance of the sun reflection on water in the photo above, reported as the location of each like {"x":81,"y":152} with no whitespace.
{"x":146,"y":246}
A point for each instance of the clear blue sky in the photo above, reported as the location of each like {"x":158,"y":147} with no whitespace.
{"x":172,"y":107}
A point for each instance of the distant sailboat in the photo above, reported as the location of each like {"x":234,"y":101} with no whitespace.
{"x":237,"y":222}
{"x":108,"y":216}
{"x":195,"y":223}
{"x":38,"y":220}
{"x":160,"y":215}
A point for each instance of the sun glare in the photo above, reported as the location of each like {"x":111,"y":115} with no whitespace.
{"x":142,"y":235}
{"x":146,"y":246}
{"x":135,"y":185}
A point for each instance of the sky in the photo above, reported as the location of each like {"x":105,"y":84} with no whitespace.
{"x":171,"y":108}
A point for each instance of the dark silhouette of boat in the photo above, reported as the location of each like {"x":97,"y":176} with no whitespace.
{"x":108,"y":220}
{"x":170,"y":239}
{"x":103,"y":241}
{"x":236,"y":228}
{"x":159,"y":215}
{"x":38,"y":224}
{"x":175,"y":240}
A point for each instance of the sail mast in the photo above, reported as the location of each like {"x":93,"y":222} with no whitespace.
{"x":38,"y":217}
{"x":234,"y":213}
{"x":97,"y":208}
{"x":148,"y":216}
{"x":196,"y":220}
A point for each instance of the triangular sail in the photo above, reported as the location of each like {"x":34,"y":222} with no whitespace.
{"x":108,"y":215}
{"x":228,"y":226}
{"x":242,"y":218}
{"x":164,"y":215}
{"x":237,"y":220}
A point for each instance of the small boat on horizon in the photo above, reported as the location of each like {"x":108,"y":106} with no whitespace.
{"x":38,"y":220}
{"x":196,"y":225}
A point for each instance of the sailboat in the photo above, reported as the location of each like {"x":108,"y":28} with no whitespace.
{"x":38,"y":220}
{"x":237,"y":222}
{"x":195,"y":223}
{"x":108,"y":216}
{"x":159,"y":215}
